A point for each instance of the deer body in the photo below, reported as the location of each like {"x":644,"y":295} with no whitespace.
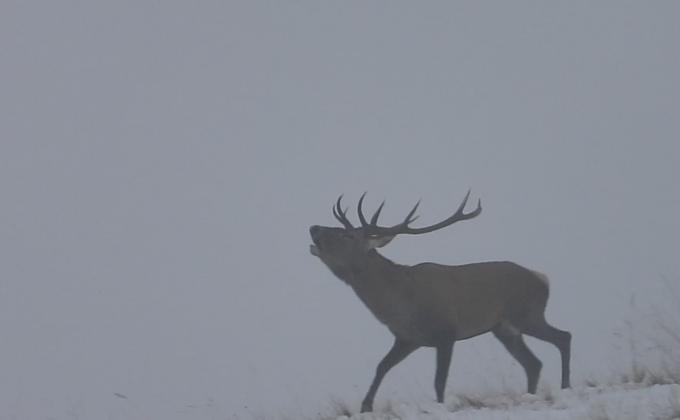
{"x":435,"y":305}
{"x":421,"y":303}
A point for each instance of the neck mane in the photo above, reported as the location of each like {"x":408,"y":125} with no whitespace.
{"x":371,"y":265}
{"x":374,"y":264}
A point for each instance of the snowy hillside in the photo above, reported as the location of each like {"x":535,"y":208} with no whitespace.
{"x":647,"y":386}
{"x":619,"y":402}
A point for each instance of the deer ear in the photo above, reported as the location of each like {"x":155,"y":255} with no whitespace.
{"x":379,"y":241}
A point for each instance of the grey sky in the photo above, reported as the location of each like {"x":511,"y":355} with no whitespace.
{"x":160,"y":163}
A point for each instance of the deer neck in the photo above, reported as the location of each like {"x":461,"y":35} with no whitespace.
{"x":383,"y":288}
{"x":370,"y":269}
{"x":373,"y":270}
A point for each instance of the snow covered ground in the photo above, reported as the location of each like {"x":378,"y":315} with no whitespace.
{"x":619,"y":402}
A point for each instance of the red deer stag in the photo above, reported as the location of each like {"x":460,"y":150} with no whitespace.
{"x":435,"y":305}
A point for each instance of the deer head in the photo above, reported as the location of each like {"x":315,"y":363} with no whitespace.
{"x":345,"y":250}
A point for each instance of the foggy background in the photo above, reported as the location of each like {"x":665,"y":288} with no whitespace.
{"x":161,"y":162}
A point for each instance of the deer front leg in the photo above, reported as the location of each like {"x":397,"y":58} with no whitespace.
{"x":400,"y":349}
{"x":444,"y":353}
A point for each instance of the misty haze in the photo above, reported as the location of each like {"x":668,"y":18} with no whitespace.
{"x":161,"y":164}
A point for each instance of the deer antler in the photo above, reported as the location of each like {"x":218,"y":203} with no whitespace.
{"x":404,"y":228}
{"x":341,"y":215}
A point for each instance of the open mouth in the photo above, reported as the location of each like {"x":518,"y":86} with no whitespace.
{"x":314,"y":250}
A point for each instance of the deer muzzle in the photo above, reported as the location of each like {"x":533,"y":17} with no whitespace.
{"x":314,"y":233}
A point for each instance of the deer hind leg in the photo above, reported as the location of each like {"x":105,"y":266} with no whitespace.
{"x":512,"y":339}
{"x":560,"y":339}
{"x":400,"y":349}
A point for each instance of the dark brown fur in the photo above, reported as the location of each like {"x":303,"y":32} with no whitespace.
{"x":434,"y":305}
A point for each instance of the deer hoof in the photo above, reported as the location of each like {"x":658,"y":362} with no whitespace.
{"x":366,"y":407}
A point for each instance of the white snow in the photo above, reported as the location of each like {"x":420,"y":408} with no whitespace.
{"x":620,"y":402}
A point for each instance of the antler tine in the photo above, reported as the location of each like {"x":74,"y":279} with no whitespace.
{"x":462,"y":216}
{"x":403,"y":228}
{"x":374,"y":218}
{"x":396,"y":229}
{"x":409,"y":218}
{"x":338,"y":205}
{"x":341,"y":215}
{"x":362,"y":219}
{"x":336,"y":215}
{"x":459,"y":212}
{"x":456,"y":217}
{"x":393,"y":230}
